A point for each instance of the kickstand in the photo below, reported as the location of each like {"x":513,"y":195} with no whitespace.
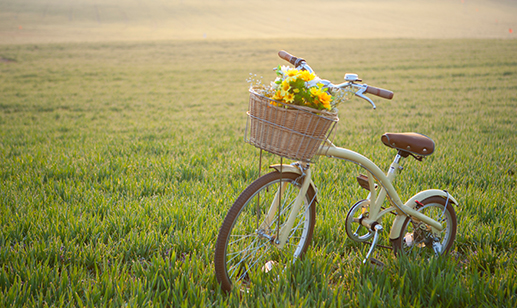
{"x":369,"y":259}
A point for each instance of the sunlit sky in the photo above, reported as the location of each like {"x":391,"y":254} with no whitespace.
{"x":27,"y":21}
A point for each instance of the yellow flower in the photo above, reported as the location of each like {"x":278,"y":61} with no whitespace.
{"x":325,"y":99}
{"x":294,"y":86}
{"x":278,"y":96}
{"x":307,"y":76}
{"x":315,"y":91}
{"x":292,"y":72}
{"x":285,"y":86}
{"x":289,"y":98}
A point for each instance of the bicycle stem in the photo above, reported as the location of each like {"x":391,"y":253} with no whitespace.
{"x":360,"y":88}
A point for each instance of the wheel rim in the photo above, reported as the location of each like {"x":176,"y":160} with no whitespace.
{"x":420,"y":238}
{"x":250,"y":252}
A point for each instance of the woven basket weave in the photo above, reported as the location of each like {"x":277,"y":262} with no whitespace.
{"x":295,"y":132}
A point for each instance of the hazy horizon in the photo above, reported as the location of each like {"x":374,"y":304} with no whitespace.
{"x":38,"y":21}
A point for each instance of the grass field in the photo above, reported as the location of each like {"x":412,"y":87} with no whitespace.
{"x":118,"y":162}
{"x":121,"y":147}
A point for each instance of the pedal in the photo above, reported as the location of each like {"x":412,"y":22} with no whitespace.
{"x":363,"y":182}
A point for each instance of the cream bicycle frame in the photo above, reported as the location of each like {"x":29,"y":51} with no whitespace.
{"x":376,"y":196}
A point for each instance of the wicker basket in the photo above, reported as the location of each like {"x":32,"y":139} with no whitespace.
{"x":295,"y":132}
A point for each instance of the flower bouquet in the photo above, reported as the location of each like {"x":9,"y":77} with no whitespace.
{"x":292,"y":115}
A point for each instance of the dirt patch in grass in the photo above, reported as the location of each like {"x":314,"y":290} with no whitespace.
{"x":6,"y":60}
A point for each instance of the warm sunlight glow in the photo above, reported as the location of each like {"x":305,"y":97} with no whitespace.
{"x":64,"y":20}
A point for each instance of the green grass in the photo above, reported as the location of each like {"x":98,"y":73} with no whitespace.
{"x":119,"y":161}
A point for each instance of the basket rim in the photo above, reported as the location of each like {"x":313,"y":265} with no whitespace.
{"x":330,"y":115}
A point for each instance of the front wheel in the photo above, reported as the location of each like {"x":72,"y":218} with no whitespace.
{"x":418,"y":237}
{"x":245,"y":251}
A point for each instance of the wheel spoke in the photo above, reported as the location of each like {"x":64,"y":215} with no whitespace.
{"x":241,"y":249}
{"x":248,"y":256}
{"x":244,"y":251}
{"x":242,"y":237}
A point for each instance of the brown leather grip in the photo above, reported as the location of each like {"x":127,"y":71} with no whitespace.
{"x":380,"y":92}
{"x":290,"y":58}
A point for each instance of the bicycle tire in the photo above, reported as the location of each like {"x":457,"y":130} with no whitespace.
{"x":242,"y":223}
{"x":413,"y":237}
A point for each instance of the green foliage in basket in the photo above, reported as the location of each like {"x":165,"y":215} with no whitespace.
{"x":302,"y":88}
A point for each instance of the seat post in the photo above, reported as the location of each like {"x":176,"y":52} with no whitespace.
{"x":395,"y":165}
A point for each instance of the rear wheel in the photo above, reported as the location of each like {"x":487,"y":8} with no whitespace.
{"x":245,"y":251}
{"x":418,"y":237}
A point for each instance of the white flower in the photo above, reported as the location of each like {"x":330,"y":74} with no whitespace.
{"x":313,"y":83}
{"x":284,"y":69}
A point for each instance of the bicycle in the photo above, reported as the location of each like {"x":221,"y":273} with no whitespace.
{"x":271,"y":223}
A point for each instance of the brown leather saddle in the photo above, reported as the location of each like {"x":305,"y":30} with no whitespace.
{"x":414,"y":144}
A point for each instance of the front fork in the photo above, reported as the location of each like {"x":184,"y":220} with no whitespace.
{"x":276,"y":208}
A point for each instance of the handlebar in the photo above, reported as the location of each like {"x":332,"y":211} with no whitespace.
{"x":290,"y":58}
{"x":361,"y":88}
{"x":387,"y":94}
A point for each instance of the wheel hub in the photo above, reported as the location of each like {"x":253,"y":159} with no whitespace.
{"x":265,"y":235}
{"x":423,"y":236}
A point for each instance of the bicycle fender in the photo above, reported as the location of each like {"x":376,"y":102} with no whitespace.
{"x":295,"y":169}
{"x":399,"y":221}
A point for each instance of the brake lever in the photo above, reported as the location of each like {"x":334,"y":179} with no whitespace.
{"x":362,"y":89}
